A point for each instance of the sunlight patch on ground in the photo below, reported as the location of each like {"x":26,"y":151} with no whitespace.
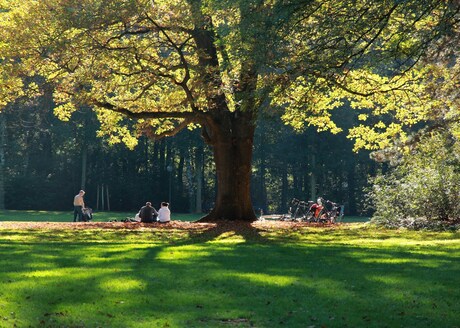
{"x":229,"y":237}
{"x":182,"y":253}
{"x":260,"y":278}
{"x":393,"y":260}
{"x":414,"y":262}
{"x":46,"y":273}
{"x":121,"y":285}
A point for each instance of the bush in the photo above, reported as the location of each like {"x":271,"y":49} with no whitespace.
{"x":423,"y":188}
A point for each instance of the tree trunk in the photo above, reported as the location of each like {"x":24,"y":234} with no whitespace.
{"x":351,"y":180}
{"x":231,"y":135}
{"x":2,"y":160}
{"x":312,"y":147}
{"x":284,"y":188}
{"x":263,"y":170}
{"x":199,"y":154}
{"x":313,"y":177}
{"x":230,"y":132}
{"x":84,"y":161}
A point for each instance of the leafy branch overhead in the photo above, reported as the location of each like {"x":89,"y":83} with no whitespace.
{"x":395,"y":62}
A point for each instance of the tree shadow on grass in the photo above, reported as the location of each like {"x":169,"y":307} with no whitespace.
{"x":193,"y":282}
{"x":270,"y":283}
{"x":226,"y":229}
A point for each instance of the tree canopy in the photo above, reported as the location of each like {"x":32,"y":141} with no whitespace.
{"x":216,"y":64}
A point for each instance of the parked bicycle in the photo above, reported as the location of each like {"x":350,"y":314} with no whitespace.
{"x":298,"y":210}
{"x":325,"y":211}
{"x":310,"y":211}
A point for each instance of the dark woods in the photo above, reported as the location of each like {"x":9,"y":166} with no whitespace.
{"x":47,"y":161}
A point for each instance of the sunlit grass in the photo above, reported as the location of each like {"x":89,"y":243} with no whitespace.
{"x":349,"y":276}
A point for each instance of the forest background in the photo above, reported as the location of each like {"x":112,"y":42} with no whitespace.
{"x":166,"y":69}
{"x":46,"y":162}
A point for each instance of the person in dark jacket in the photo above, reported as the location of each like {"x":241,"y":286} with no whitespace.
{"x":147,"y":213}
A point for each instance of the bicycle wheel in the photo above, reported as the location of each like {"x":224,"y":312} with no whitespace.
{"x":340,"y":213}
{"x":339,"y":218}
{"x":311,"y":218}
{"x":323,"y":216}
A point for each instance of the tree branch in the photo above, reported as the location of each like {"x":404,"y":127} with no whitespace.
{"x":172,"y":132}
{"x":190,"y":116}
{"x":384,"y":22}
{"x":342,"y":86}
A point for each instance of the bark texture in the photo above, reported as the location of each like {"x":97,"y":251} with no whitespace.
{"x":231,"y":136}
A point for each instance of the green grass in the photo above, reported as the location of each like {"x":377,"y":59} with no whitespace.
{"x":61,"y":216}
{"x":350,"y":276}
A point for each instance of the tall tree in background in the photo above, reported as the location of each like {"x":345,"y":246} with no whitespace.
{"x":2,"y":160}
{"x":216,"y":64}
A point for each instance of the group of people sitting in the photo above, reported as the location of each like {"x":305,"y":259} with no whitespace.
{"x":149,"y":214}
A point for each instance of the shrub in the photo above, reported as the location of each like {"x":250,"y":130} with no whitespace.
{"x":423,"y":187}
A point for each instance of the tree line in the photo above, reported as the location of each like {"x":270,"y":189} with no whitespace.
{"x":46,"y":162}
{"x":230,"y":69}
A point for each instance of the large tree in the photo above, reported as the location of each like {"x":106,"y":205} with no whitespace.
{"x":156,"y":67}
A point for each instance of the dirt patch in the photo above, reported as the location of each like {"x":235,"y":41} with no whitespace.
{"x":179,"y":225}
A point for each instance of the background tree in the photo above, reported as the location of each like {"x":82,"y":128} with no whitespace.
{"x":134,"y":177}
{"x":424,"y":184}
{"x":170,"y":64}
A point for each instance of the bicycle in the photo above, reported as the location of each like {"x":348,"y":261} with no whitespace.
{"x":309,"y":211}
{"x":299,"y":209}
{"x":321,"y":213}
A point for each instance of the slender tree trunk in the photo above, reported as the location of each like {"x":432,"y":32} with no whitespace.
{"x":2,"y":160}
{"x":190,"y":183}
{"x":199,"y":178}
{"x":263,"y":184}
{"x":84,"y":161}
{"x":351,"y":179}
{"x":313,"y":177}
{"x":284,"y":188}
{"x":180,"y":174}
{"x":163,"y":174}
{"x":312,"y":147}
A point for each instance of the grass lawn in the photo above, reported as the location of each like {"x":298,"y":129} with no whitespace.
{"x":61,"y":216}
{"x":252,"y":276}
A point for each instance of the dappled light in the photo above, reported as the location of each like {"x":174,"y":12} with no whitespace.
{"x":263,"y":200}
{"x":208,"y":274}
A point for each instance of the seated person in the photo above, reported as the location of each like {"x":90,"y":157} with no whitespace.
{"x":135,"y":219}
{"x":87,"y":214}
{"x":147,"y":213}
{"x":164,"y":214}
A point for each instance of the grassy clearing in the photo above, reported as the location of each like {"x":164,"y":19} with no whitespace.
{"x":348,"y":276}
{"x":62,"y":216}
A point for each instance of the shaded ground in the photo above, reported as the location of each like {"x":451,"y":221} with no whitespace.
{"x":238,"y":274}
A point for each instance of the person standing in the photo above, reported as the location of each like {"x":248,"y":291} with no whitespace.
{"x":164,"y":213}
{"x":78,"y":206}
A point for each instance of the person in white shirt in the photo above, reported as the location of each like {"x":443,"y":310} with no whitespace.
{"x":164,"y":214}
